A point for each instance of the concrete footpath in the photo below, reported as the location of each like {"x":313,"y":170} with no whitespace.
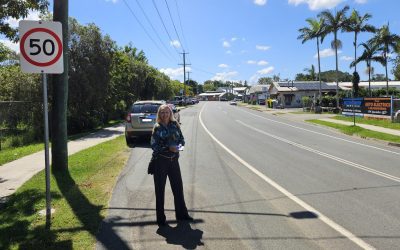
{"x":14,"y":174}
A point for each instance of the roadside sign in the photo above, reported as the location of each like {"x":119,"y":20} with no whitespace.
{"x":41,"y":47}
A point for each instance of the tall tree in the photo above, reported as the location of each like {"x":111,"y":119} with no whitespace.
{"x":59,"y":134}
{"x":315,"y":30}
{"x":335,"y":22}
{"x":17,"y":9}
{"x":369,"y":55}
{"x":357,"y":24}
{"x":388,"y":42}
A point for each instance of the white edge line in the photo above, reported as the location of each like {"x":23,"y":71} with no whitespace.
{"x":300,"y":202}
{"x":318,"y":133}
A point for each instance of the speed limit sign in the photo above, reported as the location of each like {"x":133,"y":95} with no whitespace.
{"x":41,"y":47}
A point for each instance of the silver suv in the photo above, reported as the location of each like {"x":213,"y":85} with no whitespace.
{"x":140,"y":119}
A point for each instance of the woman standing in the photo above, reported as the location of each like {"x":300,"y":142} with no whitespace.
{"x":166,"y":141}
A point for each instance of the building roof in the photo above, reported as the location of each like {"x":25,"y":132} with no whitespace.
{"x":304,"y":85}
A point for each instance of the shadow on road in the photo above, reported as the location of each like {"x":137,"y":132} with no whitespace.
{"x":182,"y":235}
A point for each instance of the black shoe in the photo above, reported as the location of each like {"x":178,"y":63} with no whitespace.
{"x":187,"y":218}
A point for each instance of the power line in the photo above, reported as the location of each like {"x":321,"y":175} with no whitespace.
{"x":180,"y":24}
{"x":148,"y":20}
{"x":162,"y":21}
{"x":173,"y":23}
{"x":141,"y":25}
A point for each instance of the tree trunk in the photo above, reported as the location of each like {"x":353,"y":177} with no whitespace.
{"x":337,"y":72}
{"x":319,"y":73}
{"x":59,"y":149}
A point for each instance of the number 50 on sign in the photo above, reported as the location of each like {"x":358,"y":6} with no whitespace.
{"x":41,"y":47}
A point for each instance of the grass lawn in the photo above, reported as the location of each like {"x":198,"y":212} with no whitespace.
{"x":79,"y":197}
{"x":12,"y":154}
{"x":381,"y":123}
{"x":355,"y":130}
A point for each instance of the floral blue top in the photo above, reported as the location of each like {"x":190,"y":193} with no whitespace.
{"x":165,"y":136}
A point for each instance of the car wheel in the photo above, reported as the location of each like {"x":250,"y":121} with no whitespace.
{"x":129,"y":140}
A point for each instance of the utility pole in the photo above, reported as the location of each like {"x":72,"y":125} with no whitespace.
{"x":184,"y":70}
{"x":59,"y":149}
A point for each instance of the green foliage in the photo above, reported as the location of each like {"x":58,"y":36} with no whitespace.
{"x":265,"y":80}
{"x":306,"y":101}
{"x":18,"y":9}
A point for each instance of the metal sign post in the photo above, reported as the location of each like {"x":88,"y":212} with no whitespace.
{"x":46,"y":151}
{"x":42,"y":52}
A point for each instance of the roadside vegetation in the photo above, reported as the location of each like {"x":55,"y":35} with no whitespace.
{"x":358,"y":131}
{"x":79,"y":196}
{"x":11,"y":153}
{"x":381,"y":123}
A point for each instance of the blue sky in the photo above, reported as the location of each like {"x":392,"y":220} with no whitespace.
{"x":230,"y":39}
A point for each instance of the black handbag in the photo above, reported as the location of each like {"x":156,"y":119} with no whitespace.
{"x":152,"y":163}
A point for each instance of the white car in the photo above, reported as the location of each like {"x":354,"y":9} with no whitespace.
{"x":141,"y":119}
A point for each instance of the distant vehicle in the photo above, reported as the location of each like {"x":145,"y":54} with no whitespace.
{"x":175,"y":111}
{"x":261,"y":101}
{"x":178,"y":101}
{"x":140,"y":119}
{"x":233,"y":102}
{"x":223,"y":99}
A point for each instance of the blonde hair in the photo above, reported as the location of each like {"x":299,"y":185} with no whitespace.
{"x":171,"y":114}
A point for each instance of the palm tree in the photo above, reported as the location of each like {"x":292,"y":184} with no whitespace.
{"x":356,"y":23}
{"x":314,"y":30}
{"x":333,"y":23}
{"x":387,"y":41}
{"x":369,"y":55}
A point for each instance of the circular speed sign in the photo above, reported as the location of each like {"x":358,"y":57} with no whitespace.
{"x":41,"y":47}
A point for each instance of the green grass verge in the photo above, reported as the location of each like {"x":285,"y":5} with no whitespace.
{"x":355,"y":130}
{"x":12,"y":154}
{"x":79,"y":197}
{"x":380,"y":123}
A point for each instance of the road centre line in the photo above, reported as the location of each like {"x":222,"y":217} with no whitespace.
{"x":352,"y":164}
{"x":318,"y":133}
{"x":300,"y":202}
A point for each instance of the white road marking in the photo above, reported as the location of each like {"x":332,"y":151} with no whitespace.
{"x":318,"y":133}
{"x":303,"y":204}
{"x":388,"y":176}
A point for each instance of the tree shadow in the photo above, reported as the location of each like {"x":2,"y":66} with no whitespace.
{"x":87,"y":213}
{"x":17,"y":229}
{"x":182,"y":235}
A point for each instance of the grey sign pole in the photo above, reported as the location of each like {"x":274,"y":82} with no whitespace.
{"x":46,"y":151}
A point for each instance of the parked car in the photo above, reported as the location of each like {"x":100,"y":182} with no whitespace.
{"x":140,"y":119}
{"x":233,"y":102}
{"x":175,"y":111}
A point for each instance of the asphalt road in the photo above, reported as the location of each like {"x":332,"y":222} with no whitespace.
{"x":258,"y":181}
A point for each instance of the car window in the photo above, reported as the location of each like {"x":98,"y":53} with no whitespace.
{"x":145,"y":108}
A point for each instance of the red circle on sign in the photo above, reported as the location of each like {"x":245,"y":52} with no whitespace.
{"x":30,"y":60}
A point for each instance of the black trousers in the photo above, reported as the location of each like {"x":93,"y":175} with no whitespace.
{"x":169,"y":167}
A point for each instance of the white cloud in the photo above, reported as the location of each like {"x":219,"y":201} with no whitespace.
{"x":175,"y":43}
{"x":361,"y":1}
{"x":262,"y":47}
{"x":174,"y":73}
{"x":266,"y":71}
{"x":10,"y":45}
{"x":262,"y":62}
{"x":223,"y":65}
{"x":33,"y":15}
{"x":260,"y":2}
{"x":251,"y":62}
{"x":226,"y":44}
{"x":326,"y":53}
{"x":347,"y":58}
{"x":224,"y":76}
{"x":234,"y":39}
{"x":317,"y":4}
